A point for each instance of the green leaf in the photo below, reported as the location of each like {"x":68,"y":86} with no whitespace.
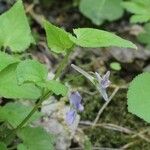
{"x":57,"y":87}
{"x":9,"y":87}
{"x":14,"y":29}
{"x":57,"y":38}
{"x":4,"y":131}
{"x":140,"y":10}
{"x":115,"y":66}
{"x":139,"y":18}
{"x":36,"y":138}
{"x":3,"y":146}
{"x":89,"y":37}
{"x":14,"y":113}
{"x":87,"y":144}
{"x":21,"y":147}
{"x":139,"y":96}
{"x":31,"y":71}
{"x":6,"y":60}
{"x":144,"y":37}
{"x":100,"y":10}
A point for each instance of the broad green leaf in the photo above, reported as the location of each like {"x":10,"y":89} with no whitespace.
{"x":3,"y":146}
{"x":89,"y":37}
{"x":9,"y":87}
{"x":31,"y":71}
{"x":139,"y":18}
{"x":57,"y":87}
{"x":144,"y":37}
{"x":14,"y":29}
{"x":6,"y":60}
{"x":36,"y":138}
{"x":14,"y":113}
{"x":100,"y":10}
{"x":139,"y":96}
{"x":57,"y":38}
{"x":139,"y":9}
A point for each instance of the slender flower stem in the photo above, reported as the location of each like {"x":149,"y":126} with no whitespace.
{"x":104,"y":106}
{"x":49,"y":93}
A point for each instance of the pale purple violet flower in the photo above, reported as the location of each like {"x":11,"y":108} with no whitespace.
{"x":103,"y":83}
{"x":75,"y":106}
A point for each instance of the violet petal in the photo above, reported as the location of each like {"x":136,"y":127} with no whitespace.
{"x":105,"y":80}
{"x":70,"y":116}
{"x":80,"y":107}
{"x":103,"y":93}
{"x":75,"y":99}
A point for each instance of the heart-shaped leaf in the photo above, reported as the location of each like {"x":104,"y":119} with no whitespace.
{"x":31,"y":71}
{"x":100,"y":10}
{"x":6,"y":60}
{"x":9,"y":87}
{"x":14,"y":29}
{"x":139,"y":96}
{"x":14,"y":113}
{"x":57,"y":38}
{"x":57,"y":88}
{"x":89,"y":37}
{"x":36,"y":138}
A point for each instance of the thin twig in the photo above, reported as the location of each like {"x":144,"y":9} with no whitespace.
{"x":120,"y":86}
{"x":141,"y":135}
{"x":109,"y":126}
{"x":141,"y":132}
{"x":96,"y":148}
{"x":118,"y":128}
{"x":36,"y":17}
{"x":105,"y":105}
{"x":105,"y":148}
{"x":126,"y":146}
{"x":29,"y":7}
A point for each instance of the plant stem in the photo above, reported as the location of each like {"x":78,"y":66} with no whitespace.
{"x":49,"y":93}
{"x":62,"y":66}
{"x":32,"y":112}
